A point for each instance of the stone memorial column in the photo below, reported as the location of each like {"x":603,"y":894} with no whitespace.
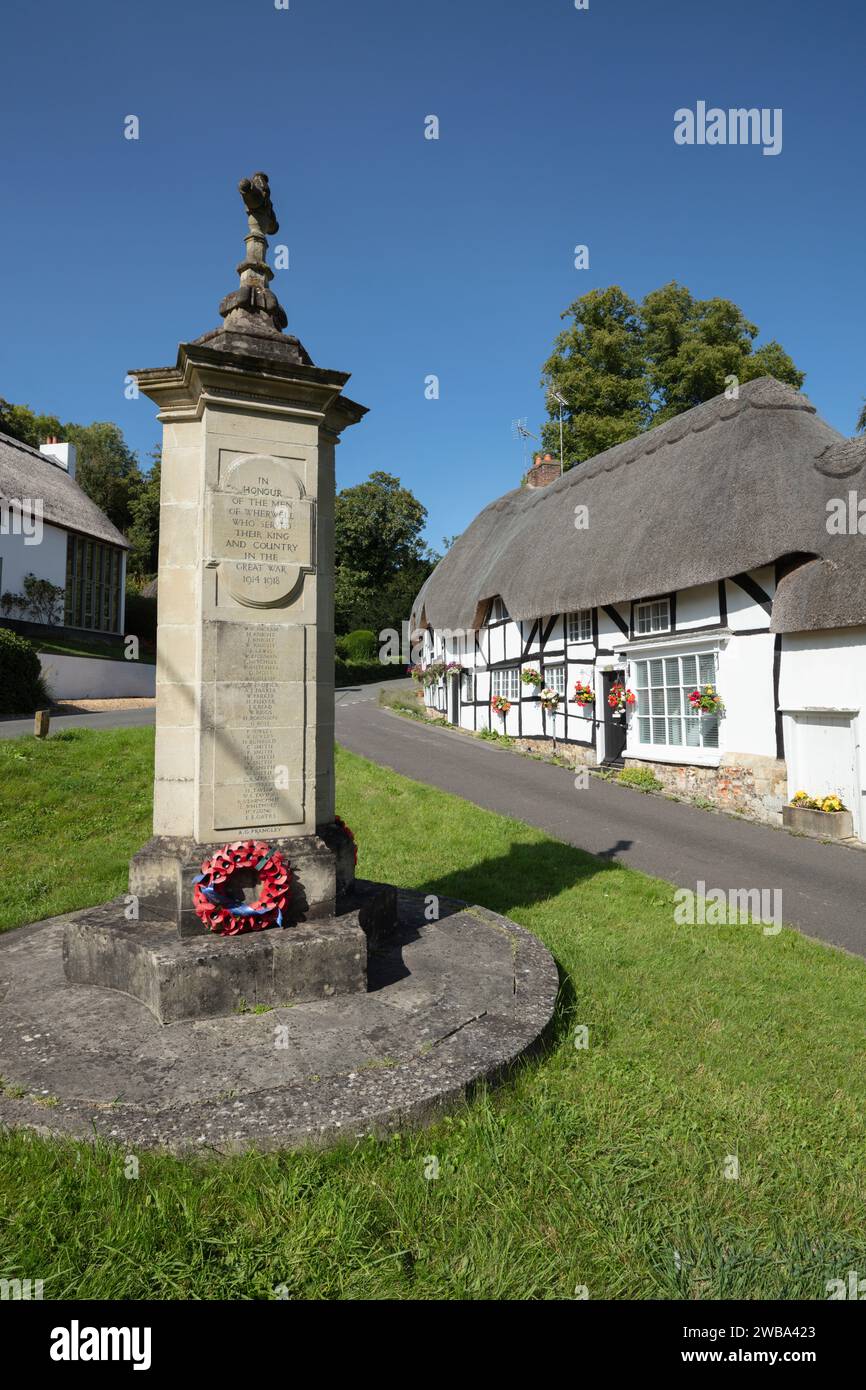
{"x":245,"y":657}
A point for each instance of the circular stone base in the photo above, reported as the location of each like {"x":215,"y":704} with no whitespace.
{"x":449,"y":1003}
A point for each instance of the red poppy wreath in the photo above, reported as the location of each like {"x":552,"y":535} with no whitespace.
{"x":218,"y":896}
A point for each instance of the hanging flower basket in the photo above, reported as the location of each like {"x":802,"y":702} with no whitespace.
{"x":427,"y":675}
{"x":620,"y":698}
{"x":454,"y":669}
{"x":707,"y":699}
{"x":549,"y":699}
{"x":583,"y":694}
{"x":531,"y":677}
{"x":218,"y":897}
{"x":500,"y":705}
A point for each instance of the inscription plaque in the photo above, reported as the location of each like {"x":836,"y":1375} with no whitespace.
{"x":262,"y":531}
{"x":258,"y":726}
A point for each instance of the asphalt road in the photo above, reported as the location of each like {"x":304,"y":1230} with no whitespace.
{"x":114,"y":719}
{"x":135,"y":718}
{"x":823,"y":886}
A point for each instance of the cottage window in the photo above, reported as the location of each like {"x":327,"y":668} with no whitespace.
{"x":468,"y":686}
{"x":93,"y":573}
{"x":664,"y":715}
{"x":506,"y":681}
{"x":580,"y":625}
{"x":652,"y":617}
{"x":498,"y":611}
{"x":554,"y":676}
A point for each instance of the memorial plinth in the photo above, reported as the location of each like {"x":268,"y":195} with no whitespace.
{"x":245,"y":664}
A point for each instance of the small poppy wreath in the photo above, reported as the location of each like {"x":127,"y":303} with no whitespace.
{"x":220,"y":906}
{"x":341,"y":824}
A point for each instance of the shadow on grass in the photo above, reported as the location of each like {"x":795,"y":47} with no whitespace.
{"x":529,"y":874}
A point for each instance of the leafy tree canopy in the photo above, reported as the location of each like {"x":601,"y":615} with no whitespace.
{"x":381,"y":558}
{"x":623,"y":367}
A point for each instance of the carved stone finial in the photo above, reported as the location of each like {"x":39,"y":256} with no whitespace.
{"x":256,"y":193}
{"x":253,"y":308}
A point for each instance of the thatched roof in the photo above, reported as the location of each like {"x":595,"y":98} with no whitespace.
{"x":727,"y":487}
{"x":25,"y":473}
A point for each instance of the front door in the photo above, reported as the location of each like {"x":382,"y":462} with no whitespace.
{"x":454,"y":699}
{"x":613,"y":726}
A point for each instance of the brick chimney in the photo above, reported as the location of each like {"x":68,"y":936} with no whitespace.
{"x":545,"y":469}
{"x":62,"y":454}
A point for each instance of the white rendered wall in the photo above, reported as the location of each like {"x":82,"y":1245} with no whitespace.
{"x":825,"y":671}
{"x":47,"y":560}
{"x":93,"y":678}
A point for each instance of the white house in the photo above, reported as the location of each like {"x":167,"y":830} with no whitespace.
{"x":50,"y":528}
{"x":707,"y":551}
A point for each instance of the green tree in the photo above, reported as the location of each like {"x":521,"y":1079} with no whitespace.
{"x":381,"y":558}
{"x":624,"y":367}
{"x":693,"y":346}
{"x":143,"y":532}
{"x":107,"y":469}
{"x":598,"y":365}
{"x":24,"y":424}
{"x":861,"y":419}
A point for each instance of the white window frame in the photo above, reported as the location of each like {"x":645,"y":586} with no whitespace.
{"x":467,"y":687}
{"x":655,"y":607}
{"x":553,"y":675}
{"x":579,"y":625}
{"x":659,"y":711}
{"x":505,"y":681}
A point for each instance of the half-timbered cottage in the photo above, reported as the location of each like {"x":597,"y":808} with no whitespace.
{"x":708,"y":551}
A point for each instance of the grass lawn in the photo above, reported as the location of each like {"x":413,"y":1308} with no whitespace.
{"x":601,"y":1166}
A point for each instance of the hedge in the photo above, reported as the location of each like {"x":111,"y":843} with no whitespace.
{"x":22,"y":689}
{"x":140,"y":616}
{"x":365,"y":672}
{"x":360,"y":645}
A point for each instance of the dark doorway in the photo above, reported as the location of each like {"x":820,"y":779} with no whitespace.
{"x":615,"y":732}
{"x":454,"y":699}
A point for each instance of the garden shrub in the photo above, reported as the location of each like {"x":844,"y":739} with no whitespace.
{"x":365,"y":672}
{"x":22,"y":688}
{"x":360,"y":645}
{"x":140,"y":617}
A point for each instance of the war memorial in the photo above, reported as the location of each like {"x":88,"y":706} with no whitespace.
{"x":249,"y":990}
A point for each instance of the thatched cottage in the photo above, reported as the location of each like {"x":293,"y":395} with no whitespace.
{"x":720,"y":549}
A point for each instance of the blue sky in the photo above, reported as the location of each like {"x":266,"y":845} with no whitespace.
{"x":412,"y":257}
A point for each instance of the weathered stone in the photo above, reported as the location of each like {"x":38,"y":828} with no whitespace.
{"x":211,"y":976}
{"x":162,"y":873}
{"x":454,"y":1002}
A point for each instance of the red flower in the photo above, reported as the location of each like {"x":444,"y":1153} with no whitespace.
{"x":222,"y":913}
